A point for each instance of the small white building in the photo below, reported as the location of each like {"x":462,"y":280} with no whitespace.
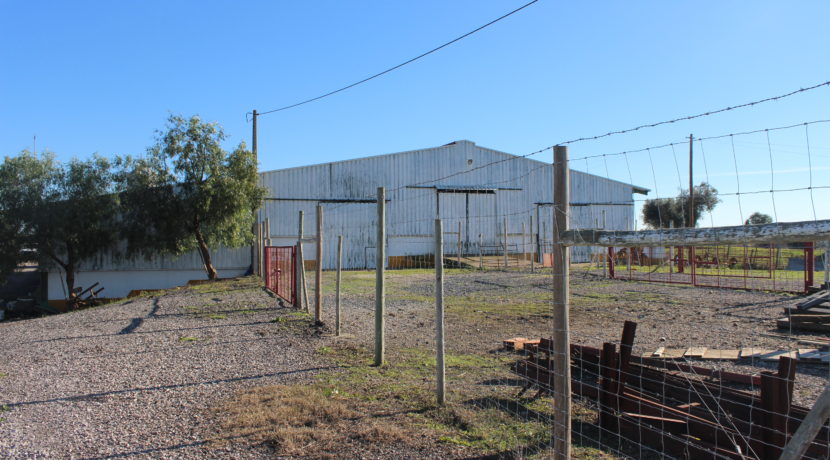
{"x":473,"y":189}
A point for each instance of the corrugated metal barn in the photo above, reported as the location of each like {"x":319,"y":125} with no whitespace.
{"x":475,"y":190}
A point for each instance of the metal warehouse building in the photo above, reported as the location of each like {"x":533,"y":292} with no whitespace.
{"x":476,"y":191}
{"x":485,"y":197}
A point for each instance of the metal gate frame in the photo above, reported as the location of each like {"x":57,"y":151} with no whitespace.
{"x":686,"y":263}
{"x":280,"y":270}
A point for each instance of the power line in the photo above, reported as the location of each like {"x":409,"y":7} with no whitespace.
{"x":692,"y":117}
{"x":330,"y":93}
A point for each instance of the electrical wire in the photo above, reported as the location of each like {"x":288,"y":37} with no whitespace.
{"x":422,"y":55}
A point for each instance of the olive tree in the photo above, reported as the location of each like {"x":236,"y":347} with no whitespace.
{"x":189,"y":193}
{"x":663,"y":212}
{"x":65,"y":213}
{"x":758,"y":218}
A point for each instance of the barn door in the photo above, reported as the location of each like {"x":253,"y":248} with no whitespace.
{"x":475,"y":214}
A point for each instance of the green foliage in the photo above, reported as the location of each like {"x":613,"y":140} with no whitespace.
{"x":189,"y":193}
{"x":758,"y":218}
{"x":663,"y":212}
{"x":65,"y":212}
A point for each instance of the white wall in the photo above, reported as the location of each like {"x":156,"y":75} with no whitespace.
{"x":118,"y":284}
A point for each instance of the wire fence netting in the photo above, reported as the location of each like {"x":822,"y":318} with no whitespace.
{"x":682,"y":350}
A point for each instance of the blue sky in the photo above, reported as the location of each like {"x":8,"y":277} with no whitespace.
{"x":102,"y":76}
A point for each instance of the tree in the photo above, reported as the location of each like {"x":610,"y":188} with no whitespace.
{"x":758,"y":218}
{"x":663,"y":212}
{"x":189,"y":193}
{"x":66,"y":213}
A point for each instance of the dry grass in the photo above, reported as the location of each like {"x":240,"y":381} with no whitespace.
{"x":290,"y":418}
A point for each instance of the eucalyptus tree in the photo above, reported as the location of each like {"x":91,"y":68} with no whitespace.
{"x":65,"y":213}
{"x":189,"y":193}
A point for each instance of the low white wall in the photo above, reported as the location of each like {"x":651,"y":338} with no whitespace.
{"x":120,"y":283}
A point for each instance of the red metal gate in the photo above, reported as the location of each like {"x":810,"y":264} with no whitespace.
{"x":280,"y":270}
{"x":788,"y":268}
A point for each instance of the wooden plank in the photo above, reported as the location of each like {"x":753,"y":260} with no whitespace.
{"x":778,"y":354}
{"x":755,"y":353}
{"x":659,"y":352}
{"x":721,"y":354}
{"x":695,"y":352}
{"x":673,"y":353}
{"x":516,"y":343}
{"x":814,"y":300}
{"x":811,"y":355}
{"x":814,"y":310}
{"x":784,"y":232}
{"x":784,"y":323}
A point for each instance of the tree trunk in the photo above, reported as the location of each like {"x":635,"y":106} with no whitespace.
{"x":203,"y":249}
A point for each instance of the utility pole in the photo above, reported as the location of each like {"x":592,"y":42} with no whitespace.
{"x":691,"y":186}
{"x":254,"y":247}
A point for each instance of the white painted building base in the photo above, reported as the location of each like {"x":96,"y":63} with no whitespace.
{"x":119,"y":283}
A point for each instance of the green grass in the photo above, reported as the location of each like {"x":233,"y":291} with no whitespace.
{"x":216,"y":316}
{"x":189,"y":339}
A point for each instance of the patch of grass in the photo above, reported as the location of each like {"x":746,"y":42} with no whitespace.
{"x":279,"y":319}
{"x":216,"y":316}
{"x":189,"y":339}
{"x":324,"y":350}
{"x":290,"y":418}
{"x":3,"y":375}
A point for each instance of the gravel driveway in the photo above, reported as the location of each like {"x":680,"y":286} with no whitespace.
{"x":138,"y":379}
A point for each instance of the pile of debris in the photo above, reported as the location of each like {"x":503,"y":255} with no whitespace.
{"x":812,"y":314}
{"x":677,"y":409}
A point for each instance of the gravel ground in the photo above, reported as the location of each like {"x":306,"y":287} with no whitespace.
{"x":141,"y":379}
{"x":138,"y":379}
{"x":672,"y":316}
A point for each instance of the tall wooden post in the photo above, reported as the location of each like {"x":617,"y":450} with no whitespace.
{"x":301,"y":265}
{"x":504,"y":242}
{"x":561,"y":304}
{"x":380,"y":271}
{"x":459,"y":244}
{"x":604,"y":257}
{"x":532,"y":249}
{"x":827,"y":265}
{"x":523,"y":257}
{"x":691,"y":186}
{"x":337,"y":292}
{"x":254,"y":249}
{"x":439,"y":314}
{"x":262,"y":249}
{"x":318,"y":281}
{"x":480,"y":254}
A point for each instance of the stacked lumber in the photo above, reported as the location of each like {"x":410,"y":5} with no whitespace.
{"x":802,"y":355}
{"x":811,"y":314}
{"x":676,"y":409}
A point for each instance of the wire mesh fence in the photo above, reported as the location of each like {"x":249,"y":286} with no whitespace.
{"x":707,"y":360}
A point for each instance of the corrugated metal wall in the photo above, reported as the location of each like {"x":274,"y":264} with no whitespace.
{"x":411,"y":211}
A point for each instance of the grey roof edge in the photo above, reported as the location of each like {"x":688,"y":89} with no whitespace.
{"x":634,"y":188}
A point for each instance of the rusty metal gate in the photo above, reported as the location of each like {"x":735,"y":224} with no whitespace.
{"x":280,"y":270}
{"x":790,"y":268}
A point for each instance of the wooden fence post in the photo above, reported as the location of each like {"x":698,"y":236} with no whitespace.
{"x":809,"y":428}
{"x":504,"y":233}
{"x":318,"y":282}
{"x":561,"y":304}
{"x":439,"y":314}
{"x":480,"y":255}
{"x":303,"y":287}
{"x":380,"y":271}
{"x":459,"y":244}
{"x":532,"y":248}
{"x":337,"y":294}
